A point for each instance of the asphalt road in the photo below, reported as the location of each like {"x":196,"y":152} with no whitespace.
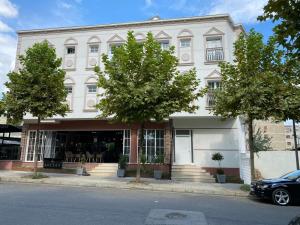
{"x":26,"y":204}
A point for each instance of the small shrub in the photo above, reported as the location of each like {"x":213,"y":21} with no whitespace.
{"x":220,"y":171}
{"x":159,"y":159}
{"x":245,"y":187}
{"x":38,"y":176}
{"x":123,"y":162}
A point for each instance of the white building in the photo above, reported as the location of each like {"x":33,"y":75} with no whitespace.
{"x":187,"y":139}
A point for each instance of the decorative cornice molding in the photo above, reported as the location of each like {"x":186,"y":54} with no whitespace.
{"x":185,"y":33}
{"x":94,"y":40}
{"x":134,"y":25}
{"x":213,"y":75}
{"x":162,"y":35}
{"x":213,"y":31}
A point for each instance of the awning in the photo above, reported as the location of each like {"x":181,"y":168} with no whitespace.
{"x":5,"y":128}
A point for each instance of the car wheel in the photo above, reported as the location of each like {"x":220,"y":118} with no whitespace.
{"x":281,"y":197}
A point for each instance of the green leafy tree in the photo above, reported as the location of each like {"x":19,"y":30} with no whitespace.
{"x":287,"y":30}
{"x":141,"y":83}
{"x":250,"y":87}
{"x":261,"y":143}
{"x":37,"y":88}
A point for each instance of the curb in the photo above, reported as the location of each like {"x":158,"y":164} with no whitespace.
{"x":124,"y":186}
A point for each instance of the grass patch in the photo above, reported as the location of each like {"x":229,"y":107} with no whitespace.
{"x":245,"y":187}
{"x":36,"y":176}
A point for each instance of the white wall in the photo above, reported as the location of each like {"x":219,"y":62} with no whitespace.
{"x":80,"y":74}
{"x":211,"y":135}
{"x":274,"y":164}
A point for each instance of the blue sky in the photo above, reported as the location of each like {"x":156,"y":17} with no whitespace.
{"x":30,"y":14}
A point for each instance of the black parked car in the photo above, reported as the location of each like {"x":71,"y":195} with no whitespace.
{"x":282,"y":191}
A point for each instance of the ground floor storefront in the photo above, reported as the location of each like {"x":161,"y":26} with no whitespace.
{"x":98,"y":141}
{"x":182,"y":141}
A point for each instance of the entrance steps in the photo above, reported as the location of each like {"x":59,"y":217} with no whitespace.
{"x":105,"y":170}
{"x":191,"y":173}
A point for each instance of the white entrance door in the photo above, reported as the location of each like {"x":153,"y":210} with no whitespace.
{"x":183,"y":147}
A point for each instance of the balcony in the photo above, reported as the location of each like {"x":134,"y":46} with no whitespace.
{"x":214,"y":54}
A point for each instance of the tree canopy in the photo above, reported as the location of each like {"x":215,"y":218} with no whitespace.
{"x":252,"y":86}
{"x":141,"y":83}
{"x":287,"y":30}
{"x":38,"y":87}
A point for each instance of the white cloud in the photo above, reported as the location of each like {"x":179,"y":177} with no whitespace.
{"x":4,"y":27}
{"x":242,"y":11}
{"x":8,"y":9}
{"x":148,"y":3}
{"x":65,"y":5}
{"x":8,"y":45}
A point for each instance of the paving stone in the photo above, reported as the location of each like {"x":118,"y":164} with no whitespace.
{"x":175,"y":217}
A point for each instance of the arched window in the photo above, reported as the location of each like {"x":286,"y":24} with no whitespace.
{"x":70,"y":54}
{"x":93,"y":52}
{"x":114,"y":41}
{"x":185,"y":47}
{"x":69,"y":86}
{"x":164,"y":40}
{"x":91,"y":92}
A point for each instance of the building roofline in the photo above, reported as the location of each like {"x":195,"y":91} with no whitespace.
{"x":134,"y":24}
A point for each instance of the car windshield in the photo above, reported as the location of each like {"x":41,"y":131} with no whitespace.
{"x":292,"y":175}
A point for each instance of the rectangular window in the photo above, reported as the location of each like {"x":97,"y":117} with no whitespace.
{"x":164,"y":45}
{"x":46,"y":145}
{"x":94,"y":48}
{"x":214,"y":49}
{"x":111,"y":46}
{"x":212,"y":86}
{"x":184,"y":43}
{"x":126,"y":143}
{"x":153,"y":145}
{"x":70,"y":50}
{"x":92,"y":88}
{"x":69,"y":89}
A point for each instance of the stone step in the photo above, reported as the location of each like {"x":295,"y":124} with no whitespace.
{"x":103,"y":174}
{"x":189,"y":170}
{"x":203,"y":180}
{"x":190,"y":174}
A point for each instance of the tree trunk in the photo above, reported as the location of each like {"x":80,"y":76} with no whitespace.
{"x":295,"y":144}
{"x":36,"y":148}
{"x":251,"y":147}
{"x":140,"y":149}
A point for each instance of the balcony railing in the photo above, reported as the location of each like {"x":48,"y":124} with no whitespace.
{"x":214,"y":54}
{"x":210,"y":99}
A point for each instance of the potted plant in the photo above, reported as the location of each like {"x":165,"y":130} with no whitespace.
{"x":159,"y":159}
{"x":221,"y":177}
{"x":122,"y":166}
{"x":82,"y":170}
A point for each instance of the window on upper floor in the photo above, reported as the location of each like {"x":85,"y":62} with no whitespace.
{"x":214,"y":49}
{"x":69,"y":89}
{"x":94,"y":48}
{"x":288,"y":136}
{"x":71,"y":50}
{"x":212,"y":86}
{"x":165,"y":44}
{"x":185,"y":43}
{"x":92,"y":88}
{"x":111,"y":47}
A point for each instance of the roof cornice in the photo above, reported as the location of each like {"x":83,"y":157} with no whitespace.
{"x":133,"y":24}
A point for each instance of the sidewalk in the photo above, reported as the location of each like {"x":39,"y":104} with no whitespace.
{"x":125,"y":183}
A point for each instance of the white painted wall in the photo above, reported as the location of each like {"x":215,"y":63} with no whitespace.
{"x":81,"y":73}
{"x":273,"y":164}
{"x":211,"y":135}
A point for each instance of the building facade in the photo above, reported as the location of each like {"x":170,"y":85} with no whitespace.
{"x":289,"y":136}
{"x":184,"y":139}
{"x":275,"y":131}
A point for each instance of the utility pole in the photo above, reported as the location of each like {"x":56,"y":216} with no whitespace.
{"x":295,"y":144}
